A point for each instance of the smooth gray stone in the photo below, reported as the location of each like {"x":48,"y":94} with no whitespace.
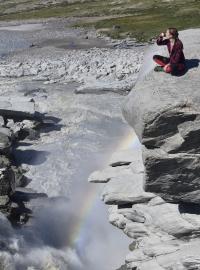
{"x":125,"y":189}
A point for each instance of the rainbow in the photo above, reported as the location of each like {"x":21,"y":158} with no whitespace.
{"x":79,"y":229}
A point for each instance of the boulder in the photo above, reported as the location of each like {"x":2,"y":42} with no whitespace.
{"x":164,"y":112}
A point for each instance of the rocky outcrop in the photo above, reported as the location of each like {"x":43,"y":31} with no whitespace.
{"x":158,"y":205}
{"x":18,"y":120}
{"x":165,"y":235}
{"x":164,"y":112}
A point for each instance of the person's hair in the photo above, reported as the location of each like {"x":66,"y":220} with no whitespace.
{"x":173,"y":31}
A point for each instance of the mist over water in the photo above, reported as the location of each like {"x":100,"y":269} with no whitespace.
{"x":73,"y":233}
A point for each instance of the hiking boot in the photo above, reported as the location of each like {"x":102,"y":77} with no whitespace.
{"x":158,"y":68}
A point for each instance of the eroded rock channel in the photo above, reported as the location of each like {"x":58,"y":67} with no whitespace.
{"x":60,"y":120}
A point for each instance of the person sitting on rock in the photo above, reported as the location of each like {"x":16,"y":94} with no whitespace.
{"x":175,"y":63}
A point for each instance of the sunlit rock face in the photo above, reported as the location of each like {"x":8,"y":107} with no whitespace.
{"x":164,"y":112}
{"x":165,"y":224}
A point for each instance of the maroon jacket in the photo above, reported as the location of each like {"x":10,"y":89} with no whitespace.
{"x":176,"y":56}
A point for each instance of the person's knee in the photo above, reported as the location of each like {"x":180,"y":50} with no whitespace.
{"x":168,"y":69}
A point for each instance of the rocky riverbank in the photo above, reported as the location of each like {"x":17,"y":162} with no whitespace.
{"x":153,"y":191}
{"x":19,"y":122}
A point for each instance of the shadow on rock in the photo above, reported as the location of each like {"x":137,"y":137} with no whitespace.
{"x":190,"y":64}
{"x":189,"y":208}
{"x":50,"y":123}
{"x":23,"y":202}
{"x":26,"y":196}
{"x":30,"y":157}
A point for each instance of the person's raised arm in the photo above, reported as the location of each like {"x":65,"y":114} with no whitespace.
{"x":161,"y":41}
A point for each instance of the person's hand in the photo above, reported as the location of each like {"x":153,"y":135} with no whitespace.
{"x":166,"y":67}
{"x":162,"y":34}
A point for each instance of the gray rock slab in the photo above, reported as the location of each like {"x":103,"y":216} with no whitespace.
{"x":167,"y":218}
{"x":125,"y":157}
{"x":125,"y":189}
{"x":174,"y":177}
{"x":110,"y":172}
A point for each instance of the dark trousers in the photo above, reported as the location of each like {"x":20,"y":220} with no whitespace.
{"x":172,"y":68}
